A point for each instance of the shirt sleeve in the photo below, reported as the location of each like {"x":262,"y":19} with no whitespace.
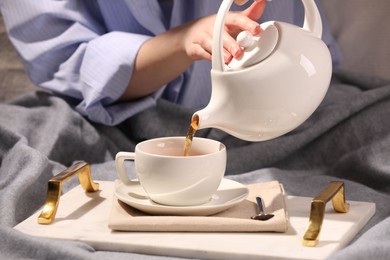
{"x":65,"y":48}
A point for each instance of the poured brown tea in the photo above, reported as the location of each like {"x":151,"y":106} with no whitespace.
{"x":190,"y":135}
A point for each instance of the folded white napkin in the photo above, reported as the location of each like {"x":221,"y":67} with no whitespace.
{"x":235,"y":219}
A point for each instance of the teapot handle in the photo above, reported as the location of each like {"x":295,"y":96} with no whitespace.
{"x":312,"y":23}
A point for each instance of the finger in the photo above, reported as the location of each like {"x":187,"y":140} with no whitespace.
{"x":231,"y":45}
{"x":255,"y":11}
{"x":199,"y":53}
{"x":200,"y":46}
{"x":237,"y":22}
{"x":206,"y":42}
{"x":227,"y":56}
{"x":240,"y":2}
{"x":246,"y":20}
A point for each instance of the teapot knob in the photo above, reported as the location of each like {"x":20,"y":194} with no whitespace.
{"x":245,"y":39}
{"x":256,"y":47}
{"x":312,"y":23}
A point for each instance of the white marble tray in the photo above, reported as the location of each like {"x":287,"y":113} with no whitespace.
{"x":84,"y":216}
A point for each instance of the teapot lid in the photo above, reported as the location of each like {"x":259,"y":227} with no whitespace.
{"x":256,"y":47}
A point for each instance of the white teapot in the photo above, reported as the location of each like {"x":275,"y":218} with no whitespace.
{"x":277,"y":83}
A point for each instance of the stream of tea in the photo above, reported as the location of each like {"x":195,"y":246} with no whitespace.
{"x":190,"y":135}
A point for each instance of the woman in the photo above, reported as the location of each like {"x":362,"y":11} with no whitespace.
{"x":116,"y":58}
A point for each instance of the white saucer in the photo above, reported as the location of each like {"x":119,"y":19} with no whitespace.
{"x":228,"y":194}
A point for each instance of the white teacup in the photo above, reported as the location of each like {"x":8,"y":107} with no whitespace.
{"x":171,"y":178}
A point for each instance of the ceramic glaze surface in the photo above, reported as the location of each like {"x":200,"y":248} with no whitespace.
{"x":169,"y":177}
{"x":228,"y":194}
{"x":257,"y":99}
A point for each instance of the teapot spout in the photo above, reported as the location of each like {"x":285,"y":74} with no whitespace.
{"x":203,"y":119}
{"x":214,"y":116}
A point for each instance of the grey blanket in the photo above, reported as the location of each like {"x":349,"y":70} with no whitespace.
{"x":347,"y":138}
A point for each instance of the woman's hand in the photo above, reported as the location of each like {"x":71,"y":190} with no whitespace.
{"x":198,"y":37}
{"x":164,"y":57}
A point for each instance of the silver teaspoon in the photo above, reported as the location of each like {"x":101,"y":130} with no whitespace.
{"x":261,"y":216}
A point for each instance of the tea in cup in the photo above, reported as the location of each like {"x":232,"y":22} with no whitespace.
{"x":169,"y":177}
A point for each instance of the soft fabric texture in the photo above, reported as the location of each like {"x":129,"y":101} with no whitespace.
{"x":235,"y":219}
{"x":361,"y":31}
{"x":41,"y":136}
{"x":346,"y":139}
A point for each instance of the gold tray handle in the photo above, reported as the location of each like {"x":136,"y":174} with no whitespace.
{"x":334,"y":191}
{"x":83,"y":170}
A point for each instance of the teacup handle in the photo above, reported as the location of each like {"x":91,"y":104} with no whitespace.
{"x":119,"y":161}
